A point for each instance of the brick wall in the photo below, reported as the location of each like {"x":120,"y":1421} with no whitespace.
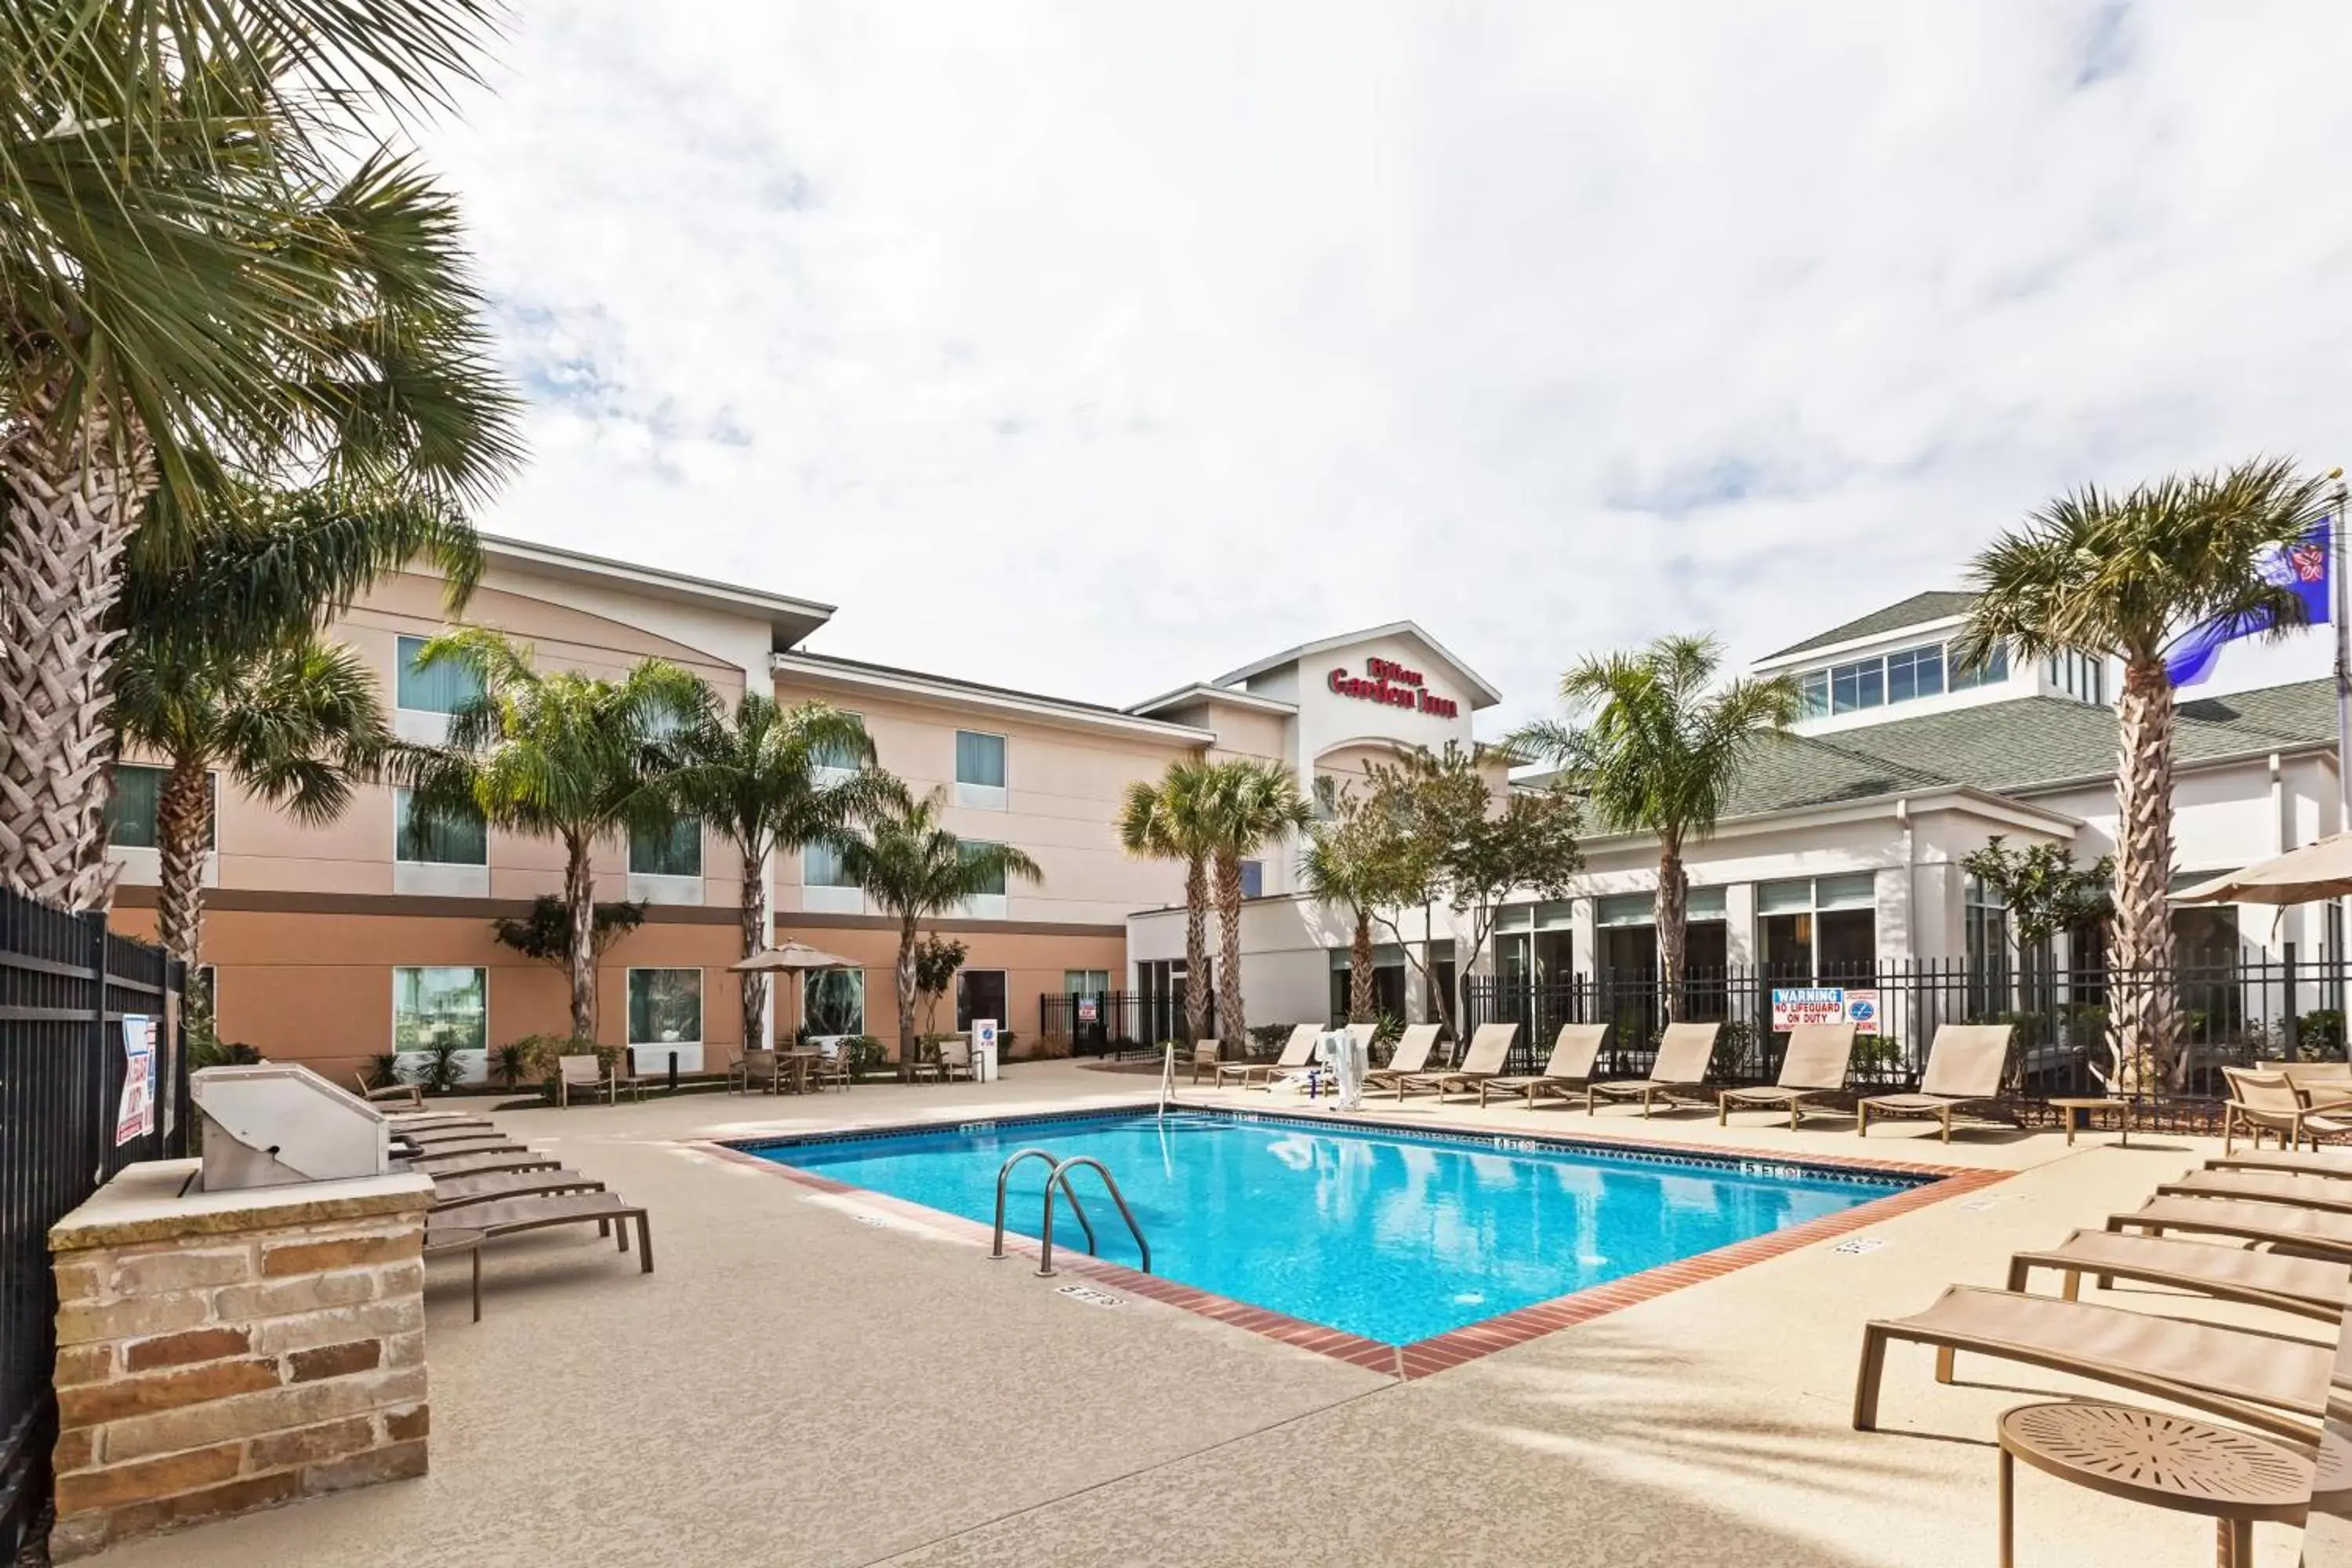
{"x":267,"y":1346}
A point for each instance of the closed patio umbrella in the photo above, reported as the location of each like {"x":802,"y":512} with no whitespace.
{"x":2304,"y":876}
{"x":795,"y":956}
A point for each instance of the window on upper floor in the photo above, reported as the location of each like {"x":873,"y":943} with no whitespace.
{"x":821,"y":867}
{"x":980,"y":759}
{"x":2078,"y":674}
{"x":835,"y":763}
{"x":133,"y":808}
{"x":443,"y":689}
{"x":1812,"y":693}
{"x":1991,"y":672}
{"x":1856,"y":686}
{"x":675,"y":850}
{"x":1253,"y":878}
{"x":422,"y":839}
{"x":1905,"y":675}
{"x":992,"y":886}
{"x":1914,"y":672}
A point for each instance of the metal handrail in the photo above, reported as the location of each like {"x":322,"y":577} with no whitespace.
{"x":1053,"y":1163}
{"x":1062,"y":1175}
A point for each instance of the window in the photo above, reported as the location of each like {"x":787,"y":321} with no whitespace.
{"x":1812,"y":693}
{"x":1819,"y":927}
{"x":835,"y":763}
{"x":980,"y":993}
{"x":672,"y":851}
{"x":1253,"y":878}
{"x":1853,"y":687}
{"x":1084,"y":982}
{"x":980,"y":760}
{"x":431,"y":1006}
{"x":1985,"y":931}
{"x":1914,"y":672}
{"x":820,"y":867}
{"x":1626,"y":910}
{"x":436,"y":841}
{"x":1159,"y":984}
{"x":1991,"y":672}
{"x":993,"y":885}
{"x":132,"y":808}
{"x":1326,"y":798}
{"x":443,"y":689}
{"x":2078,"y":674}
{"x":833,"y":1001}
{"x":664,"y":1007}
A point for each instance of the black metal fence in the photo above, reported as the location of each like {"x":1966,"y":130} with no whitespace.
{"x":1117,"y":1023}
{"x":66,"y":983}
{"x":2235,"y":1009}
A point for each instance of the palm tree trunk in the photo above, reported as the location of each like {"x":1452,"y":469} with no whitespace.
{"x":2141,"y":1018}
{"x":73,"y":498}
{"x":183,"y":820}
{"x":1359,"y":971}
{"x":906,"y":1002}
{"x":1232,"y":1036}
{"x":755,"y":940}
{"x":1196,"y":950}
{"x":580,"y":946}
{"x":1673,"y":924}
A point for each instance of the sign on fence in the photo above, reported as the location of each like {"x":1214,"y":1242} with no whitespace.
{"x":136,"y":1116}
{"x":1087,"y":1009}
{"x":1796,"y":1005}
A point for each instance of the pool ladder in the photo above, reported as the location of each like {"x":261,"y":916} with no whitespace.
{"x":1061,"y":1177}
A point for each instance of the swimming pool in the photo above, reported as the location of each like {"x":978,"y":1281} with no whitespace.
{"x":1394,"y":1235}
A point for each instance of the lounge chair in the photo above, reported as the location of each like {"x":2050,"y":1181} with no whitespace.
{"x":386,"y":1094}
{"x":511,"y":1217}
{"x":1297,"y":1056}
{"x":1569,"y":1068}
{"x":485,"y":1164}
{"x":2307,"y":1287}
{"x":442,"y":1153}
{"x":2336,"y":1163}
{"x":1680,"y":1065}
{"x":2309,"y":1232}
{"x":1411,"y":1056}
{"x":1813,"y":1065}
{"x":2293,"y":1187}
{"x":1490,"y":1049}
{"x":2263,"y":1102}
{"x":2322,"y":1086}
{"x":447,"y":1132}
{"x":2260,"y":1380}
{"x":1966,"y":1064}
{"x":460,"y":1192}
{"x":837,"y":1066}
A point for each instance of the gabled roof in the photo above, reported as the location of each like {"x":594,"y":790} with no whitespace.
{"x":1916,"y":610}
{"x":1482,"y":694}
{"x":857,"y":672}
{"x":1200,"y":692}
{"x":789,"y":619}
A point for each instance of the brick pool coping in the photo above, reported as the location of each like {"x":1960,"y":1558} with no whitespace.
{"x":1421,"y":1358}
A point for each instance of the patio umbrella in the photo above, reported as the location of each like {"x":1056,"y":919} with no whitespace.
{"x":2304,"y":876}
{"x":795,"y":956}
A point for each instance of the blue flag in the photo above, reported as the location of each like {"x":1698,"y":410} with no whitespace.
{"x":2302,"y":567}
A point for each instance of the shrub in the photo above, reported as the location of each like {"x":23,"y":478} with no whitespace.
{"x":439,"y":1072}
{"x":1266,"y":1041}
{"x":865,"y":1053}
{"x":2319,"y":1034}
{"x":1050,"y":1048}
{"x":511,"y":1064}
{"x":384,"y":1070}
{"x":539,"y":1053}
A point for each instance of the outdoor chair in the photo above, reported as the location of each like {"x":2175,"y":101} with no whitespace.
{"x":2262,"y":1380}
{"x":582,"y":1072}
{"x":1490,"y":1048}
{"x":1814,"y":1065}
{"x":2307,"y":1287}
{"x":1680,"y":1068}
{"x":2311,"y":1191}
{"x":1204,"y":1059}
{"x":1966,"y":1064}
{"x":493,"y":1186}
{"x":1570,"y":1067}
{"x":1411,"y":1056}
{"x":955,"y":1057}
{"x":1297,"y":1056}
{"x":833,"y":1067}
{"x":2265,"y":1102}
{"x":405,"y":1093}
{"x":2282,"y":1227}
{"x":2322,"y":1086}
{"x":513,"y":1217}
{"x":2336,"y":1162}
{"x":755,"y":1070}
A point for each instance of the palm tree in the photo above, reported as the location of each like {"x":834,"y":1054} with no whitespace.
{"x":755,"y":778}
{"x":1167,"y":819}
{"x":1656,"y":748}
{"x":296,"y":726}
{"x":2118,"y":576}
{"x":915,"y":870}
{"x":558,"y":755}
{"x":195,"y":280}
{"x":1343,"y":863}
{"x":1250,"y":804}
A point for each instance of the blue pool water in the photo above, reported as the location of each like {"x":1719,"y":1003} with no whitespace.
{"x":1393,"y":1238}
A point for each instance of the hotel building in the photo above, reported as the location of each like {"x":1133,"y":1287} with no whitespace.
{"x":332,"y":944}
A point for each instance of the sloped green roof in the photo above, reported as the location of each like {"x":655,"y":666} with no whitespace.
{"x":1914,"y":611}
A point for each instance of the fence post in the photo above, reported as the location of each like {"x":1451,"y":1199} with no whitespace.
{"x":94,"y":923}
{"x":2290,"y":1026}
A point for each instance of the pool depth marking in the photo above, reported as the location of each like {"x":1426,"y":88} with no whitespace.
{"x":1421,"y":1358}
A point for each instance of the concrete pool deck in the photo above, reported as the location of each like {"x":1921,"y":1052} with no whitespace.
{"x":794,"y":1386}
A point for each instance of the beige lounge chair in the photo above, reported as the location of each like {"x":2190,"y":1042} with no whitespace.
{"x":1490,"y":1049}
{"x":1297,"y":1056}
{"x":2335,"y":1163}
{"x":447,"y":1132}
{"x":1966,"y":1064}
{"x":1814,"y":1065}
{"x":513,"y":1217}
{"x":2324,"y":1086}
{"x":486,"y":1164}
{"x":2294,"y":1187}
{"x":2260,"y":1380}
{"x":2311,"y":1233}
{"x":1569,"y":1068}
{"x":461,"y":1191}
{"x":2264,"y":1102}
{"x":1410,"y":1057}
{"x":2307,"y":1287}
{"x":405,"y":1093}
{"x":1680,"y":1067}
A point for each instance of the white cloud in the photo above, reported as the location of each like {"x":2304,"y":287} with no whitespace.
{"x":1093,"y":350}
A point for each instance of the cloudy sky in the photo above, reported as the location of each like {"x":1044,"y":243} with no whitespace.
{"x":1094,"y":349}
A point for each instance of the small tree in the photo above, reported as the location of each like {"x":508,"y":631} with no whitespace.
{"x":2044,"y":890}
{"x":545,"y":933}
{"x":1454,"y":844}
{"x":937,"y":962}
{"x":1344,"y":863}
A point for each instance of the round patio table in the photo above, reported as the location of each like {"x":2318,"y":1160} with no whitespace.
{"x":2234,"y":1477}
{"x":2073,"y":1108}
{"x":442,"y":1241}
